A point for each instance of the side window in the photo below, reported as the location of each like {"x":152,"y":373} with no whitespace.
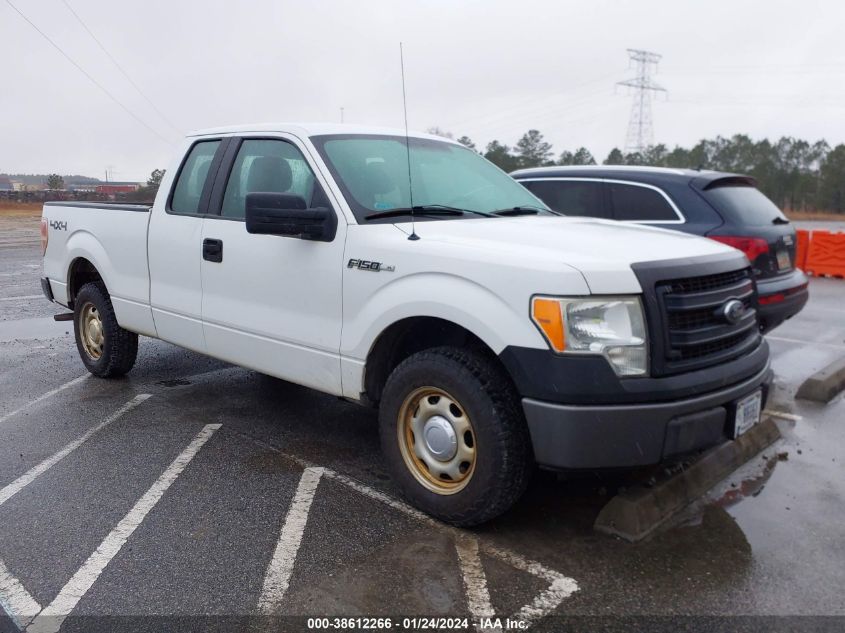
{"x":640,"y":204}
{"x":269,"y":166}
{"x":192,"y":177}
{"x":570,"y":197}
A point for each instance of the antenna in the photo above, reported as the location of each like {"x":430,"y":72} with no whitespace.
{"x":413,"y":236}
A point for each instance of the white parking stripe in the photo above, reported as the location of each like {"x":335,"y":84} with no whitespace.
{"x":796,"y":341}
{"x":561,"y":586}
{"x":15,"y":600}
{"x":20,"y":298}
{"x":52,"y":617}
{"x":475,"y":582}
{"x":33,"y":473}
{"x":43,"y":397}
{"x":279,"y":571}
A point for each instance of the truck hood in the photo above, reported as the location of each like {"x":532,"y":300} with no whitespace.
{"x":602,"y":250}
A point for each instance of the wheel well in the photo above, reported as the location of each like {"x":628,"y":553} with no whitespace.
{"x":81,"y":272}
{"x":409,"y":336}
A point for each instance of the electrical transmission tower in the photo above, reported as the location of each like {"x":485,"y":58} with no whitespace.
{"x":640,"y":128}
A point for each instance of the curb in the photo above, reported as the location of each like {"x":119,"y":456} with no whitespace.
{"x":824,"y":384}
{"x":635,"y":514}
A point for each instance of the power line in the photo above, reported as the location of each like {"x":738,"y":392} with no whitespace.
{"x":90,"y":78}
{"x":640,"y":127}
{"x":120,"y":68}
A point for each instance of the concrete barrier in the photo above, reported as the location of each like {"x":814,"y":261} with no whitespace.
{"x":825,"y":384}
{"x":636,"y":513}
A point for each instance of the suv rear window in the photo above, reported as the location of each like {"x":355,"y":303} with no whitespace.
{"x":742,"y":204}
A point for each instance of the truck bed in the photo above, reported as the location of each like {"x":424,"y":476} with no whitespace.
{"x":117,"y":244}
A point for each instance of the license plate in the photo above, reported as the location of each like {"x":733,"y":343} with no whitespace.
{"x":747,"y":413}
{"x":783,"y":259}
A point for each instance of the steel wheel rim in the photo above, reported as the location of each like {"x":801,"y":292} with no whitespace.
{"x":91,"y":331}
{"x":424,"y":419}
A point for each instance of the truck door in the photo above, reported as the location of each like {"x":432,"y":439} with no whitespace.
{"x":174,"y":247}
{"x":272,"y":303}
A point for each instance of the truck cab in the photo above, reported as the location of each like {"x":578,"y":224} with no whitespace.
{"x":407,"y":273}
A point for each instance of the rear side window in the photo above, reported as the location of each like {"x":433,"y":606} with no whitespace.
{"x":570,"y":197}
{"x":639,"y":204}
{"x":743,"y":205}
{"x":192,"y":177}
{"x":269,"y":166}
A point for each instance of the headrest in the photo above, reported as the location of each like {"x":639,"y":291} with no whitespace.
{"x":269,"y":173}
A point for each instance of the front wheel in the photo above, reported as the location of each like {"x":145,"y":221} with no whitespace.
{"x":106,"y":349}
{"x":454,"y":436}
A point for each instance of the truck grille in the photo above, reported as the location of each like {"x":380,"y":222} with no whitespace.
{"x":687,"y":326}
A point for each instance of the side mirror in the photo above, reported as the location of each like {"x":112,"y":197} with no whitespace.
{"x":288,"y":215}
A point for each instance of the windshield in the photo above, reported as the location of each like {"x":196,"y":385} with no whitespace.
{"x":372,"y":171}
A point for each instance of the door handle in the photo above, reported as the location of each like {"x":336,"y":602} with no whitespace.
{"x":212,"y":250}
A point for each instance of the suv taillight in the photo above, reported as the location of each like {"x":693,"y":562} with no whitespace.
{"x":753,"y":247}
{"x":44,"y":236}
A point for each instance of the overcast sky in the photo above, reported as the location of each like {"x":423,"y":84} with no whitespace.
{"x":487,"y":69}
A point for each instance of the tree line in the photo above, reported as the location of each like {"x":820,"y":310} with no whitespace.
{"x":796,"y":174}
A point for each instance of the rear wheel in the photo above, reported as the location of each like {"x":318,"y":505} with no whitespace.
{"x":454,"y":436}
{"x":106,"y":349}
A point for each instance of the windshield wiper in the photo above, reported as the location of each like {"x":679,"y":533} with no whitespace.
{"x":422,"y":209}
{"x":523,"y":211}
{"x":780,"y":220}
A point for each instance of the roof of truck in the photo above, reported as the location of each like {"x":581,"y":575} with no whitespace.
{"x":313,"y":129}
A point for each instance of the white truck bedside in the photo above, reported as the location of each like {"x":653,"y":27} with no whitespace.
{"x":414,"y":276}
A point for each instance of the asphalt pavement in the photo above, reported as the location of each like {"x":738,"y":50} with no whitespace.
{"x":194,"y":489}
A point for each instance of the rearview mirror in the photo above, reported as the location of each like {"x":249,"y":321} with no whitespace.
{"x":288,"y":215}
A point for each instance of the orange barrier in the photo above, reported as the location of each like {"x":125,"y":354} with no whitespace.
{"x":801,"y":246}
{"x":826,"y":254}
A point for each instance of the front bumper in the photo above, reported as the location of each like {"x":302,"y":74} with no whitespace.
{"x":781,"y":298}
{"x":571,"y":436}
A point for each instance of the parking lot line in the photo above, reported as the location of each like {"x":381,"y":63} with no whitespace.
{"x":475,"y":582}
{"x":33,"y":473}
{"x":15,"y":600}
{"x":560,"y":587}
{"x":43,"y":396}
{"x":51,"y":618}
{"x":21,"y":298}
{"x":279,"y":571}
{"x":796,"y":341}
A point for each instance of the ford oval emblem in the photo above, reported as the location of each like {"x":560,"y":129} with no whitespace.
{"x":732,"y":311}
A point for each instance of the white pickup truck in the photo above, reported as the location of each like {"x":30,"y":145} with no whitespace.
{"x":410,"y":274}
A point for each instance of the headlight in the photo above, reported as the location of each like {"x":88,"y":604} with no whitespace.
{"x":611,"y":326}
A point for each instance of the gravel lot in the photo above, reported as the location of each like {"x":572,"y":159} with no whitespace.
{"x":228,"y":493}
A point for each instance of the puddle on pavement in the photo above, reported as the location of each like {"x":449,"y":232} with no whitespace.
{"x":27,"y":329}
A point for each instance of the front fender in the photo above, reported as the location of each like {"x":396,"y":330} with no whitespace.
{"x":497,"y":322}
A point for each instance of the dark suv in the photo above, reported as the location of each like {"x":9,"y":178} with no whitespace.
{"x":725,"y":207}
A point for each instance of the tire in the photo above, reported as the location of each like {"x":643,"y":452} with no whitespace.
{"x":106,"y":349}
{"x":498,"y":460}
